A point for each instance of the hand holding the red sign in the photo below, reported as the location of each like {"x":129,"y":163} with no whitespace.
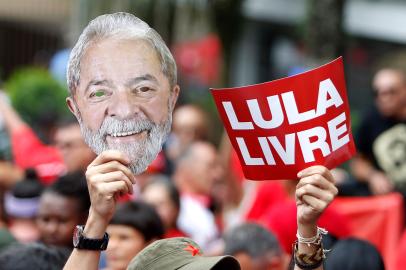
{"x":314,"y":192}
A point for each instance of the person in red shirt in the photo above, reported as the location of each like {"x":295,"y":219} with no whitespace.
{"x":28,"y":151}
{"x":69,"y":154}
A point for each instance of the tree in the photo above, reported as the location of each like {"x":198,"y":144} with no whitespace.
{"x":323,"y":35}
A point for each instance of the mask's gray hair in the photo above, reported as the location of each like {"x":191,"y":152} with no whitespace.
{"x":124,"y":26}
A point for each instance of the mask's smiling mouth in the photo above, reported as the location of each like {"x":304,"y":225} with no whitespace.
{"x":122,"y":134}
{"x":139,"y":139}
{"x":126,"y":137}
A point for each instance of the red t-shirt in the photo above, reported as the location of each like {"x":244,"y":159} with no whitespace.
{"x":29,"y":152}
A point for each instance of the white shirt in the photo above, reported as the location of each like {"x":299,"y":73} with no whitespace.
{"x":197,"y":222}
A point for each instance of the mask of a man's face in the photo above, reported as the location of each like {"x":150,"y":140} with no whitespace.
{"x":124,"y":101}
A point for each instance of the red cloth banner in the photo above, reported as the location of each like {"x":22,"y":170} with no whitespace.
{"x":378,"y":220}
{"x":280,"y":127}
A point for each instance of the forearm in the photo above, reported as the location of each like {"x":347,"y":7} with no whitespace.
{"x":12,"y":120}
{"x":88,"y":259}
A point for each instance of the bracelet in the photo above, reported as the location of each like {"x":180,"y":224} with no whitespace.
{"x":314,"y":260}
{"x":309,"y":261}
{"x":311,"y":240}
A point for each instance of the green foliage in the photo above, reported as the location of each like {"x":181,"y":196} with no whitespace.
{"x":37,"y":97}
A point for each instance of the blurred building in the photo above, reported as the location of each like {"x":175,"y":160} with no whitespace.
{"x":271,"y":44}
{"x":30,"y":32}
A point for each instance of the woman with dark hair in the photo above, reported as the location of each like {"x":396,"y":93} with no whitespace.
{"x":133,"y":227}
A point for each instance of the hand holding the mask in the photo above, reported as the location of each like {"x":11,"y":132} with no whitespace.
{"x":107,"y":178}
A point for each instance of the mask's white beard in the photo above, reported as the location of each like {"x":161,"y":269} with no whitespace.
{"x":141,"y":153}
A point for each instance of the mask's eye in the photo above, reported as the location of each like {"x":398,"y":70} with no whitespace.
{"x":98,"y":93}
{"x":144,"y":89}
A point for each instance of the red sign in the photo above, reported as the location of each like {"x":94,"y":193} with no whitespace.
{"x":280,"y":127}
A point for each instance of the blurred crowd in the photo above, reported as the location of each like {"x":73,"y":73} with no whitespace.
{"x":192,"y":188}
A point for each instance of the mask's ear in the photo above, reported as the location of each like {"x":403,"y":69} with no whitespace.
{"x":72,"y":107}
{"x":174,"y":95}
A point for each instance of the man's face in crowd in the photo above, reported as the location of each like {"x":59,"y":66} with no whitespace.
{"x":189,"y":124}
{"x":204,"y":168}
{"x":57,"y":218}
{"x":76,"y":154}
{"x":390,"y":91}
{"x":124,"y":100}
{"x":125,"y":242}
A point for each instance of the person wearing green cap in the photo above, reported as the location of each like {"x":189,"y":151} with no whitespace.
{"x":123,"y":88}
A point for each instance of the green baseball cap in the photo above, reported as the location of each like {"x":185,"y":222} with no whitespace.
{"x":179,"y":253}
